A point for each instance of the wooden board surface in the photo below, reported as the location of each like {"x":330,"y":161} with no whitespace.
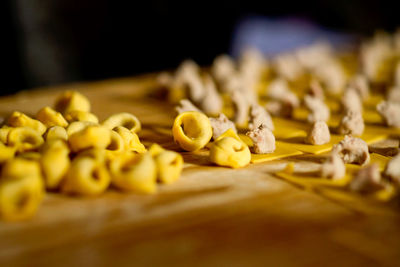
{"x":211,"y":217}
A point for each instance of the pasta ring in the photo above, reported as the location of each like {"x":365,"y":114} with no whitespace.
{"x":72,"y":100}
{"x":134,"y":172}
{"x":91,"y":136}
{"x":127,"y":120}
{"x":192,"y":130}
{"x":79,"y":115}
{"x":131,"y":140}
{"x":56,"y":132}
{"x":55,"y":163}
{"x":18,"y":119}
{"x":86,"y":176}
{"x":24,"y":139}
{"x":20,"y":198}
{"x":230,"y":152}
{"x":50,"y":117}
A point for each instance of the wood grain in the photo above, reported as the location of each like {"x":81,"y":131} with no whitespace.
{"x":212,"y":216}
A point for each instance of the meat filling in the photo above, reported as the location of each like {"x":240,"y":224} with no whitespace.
{"x":263,"y":139}
{"x":352,"y":150}
{"x":319,"y":134}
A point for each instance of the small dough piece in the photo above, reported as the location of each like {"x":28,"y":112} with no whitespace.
{"x":241,"y":107}
{"x":279,"y":90}
{"x":360,"y":83}
{"x":223,"y":68}
{"x":212,"y":102}
{"x":316,"y":90}
{"x":185,"y":105}
{"x":220,"y":125}
{"x":368,"y":179}
{"x":393,"y":95}
{"x":351,"y":101}
{"x":352,"y":123}
{"x":314,"y":55}
{"x":319,"y":111}
{"x":393,"y":169}
{"x":352,"y":150}
{"x":332,"y":76}
{"x":251,"y":67}
{"x":195,"y":86}
{"x":287,"y":65}
{"x":334,"y":167}
{"x":319,"y":134}
{"x":258,"y":116}
{"x":390,"y":112}
{"x":279,"y":108}
{"x":263,"y":139}
{"x":397,"y":68}
{"x":165,"y":79}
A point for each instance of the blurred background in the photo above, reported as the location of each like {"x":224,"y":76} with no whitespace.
{"x":48,"y":42}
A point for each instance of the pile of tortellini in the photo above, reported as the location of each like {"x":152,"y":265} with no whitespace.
{"x":192,"y":131}
{"x":65,"y":149}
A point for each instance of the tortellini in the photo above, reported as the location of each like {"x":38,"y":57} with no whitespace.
{"x":124,"y":119}
{"x":66,"y":150}
{"x":134,"y":172}
{"x":192,"y":130}
{"x":230,"y":152}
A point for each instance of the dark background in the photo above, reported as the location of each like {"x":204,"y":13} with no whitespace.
{"x":47,"y":42}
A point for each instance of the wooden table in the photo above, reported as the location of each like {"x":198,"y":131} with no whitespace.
{"x":211,"y":217}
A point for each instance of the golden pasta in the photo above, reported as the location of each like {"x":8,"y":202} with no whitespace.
{"x":4,"y":133}
{"x":134,"y":172}
{"x":24,"y":139}
{"x":56,"y":132}
{"x":169,"y":164}
{"x":192,"y":130}
{"x":116,"y":145}
{"x":79,"y":115}
{"x":77,"y":126}
{"x":66,"y":149}
{"x":55,"y":162}
{"x":124,"y":119}
{"x":30,"y":155}
{"x":18,"y":119}
{"x":6,"y":152}
{"x":20,"y":197}
{"x":91,"y":136}
{"x":20,"y":167}
{"x":50,"y":117}
{"x":86,"y":176}
{"x":230,"y":152}
{"x":131,"y":140}
{"x":72,"y":100}
{"x":98,"y":154}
